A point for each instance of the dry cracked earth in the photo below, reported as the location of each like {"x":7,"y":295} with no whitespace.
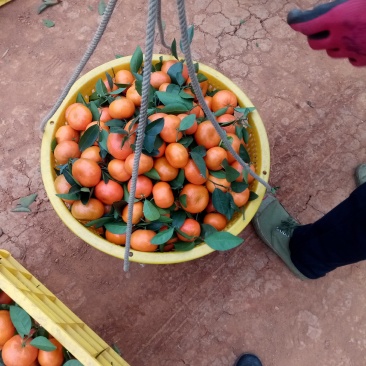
{"x":208,"y":311}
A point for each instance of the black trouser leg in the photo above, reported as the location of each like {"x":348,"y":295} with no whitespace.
{"x":337,"y":239}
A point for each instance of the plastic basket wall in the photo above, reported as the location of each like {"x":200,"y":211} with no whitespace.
{"x":258,"y":148}
{"x":43,"y":306}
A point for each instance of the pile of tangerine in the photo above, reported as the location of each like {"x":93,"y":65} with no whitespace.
{"x":181,"y":170}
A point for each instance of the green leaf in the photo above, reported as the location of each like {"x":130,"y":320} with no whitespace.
{"x":136,"y":60}
{"x":95,"y":111}
{"x":186,"y":141}
{"x":89,"y":137}
{"x":220,"y":112}
{"x":102,"y":141}
{"x":149,"y":143}
{"x":101,"y":88}
{"x":183,"y":200}
{"x":116,"y":349}
{"x":173,"y":49}
{"x":185,"y":95}
{"x":178,"y":218}
{"x":199,"y":161}
{"x":70,"y":179}
{"x":46,"y":4}
{"x":245,"y":111}
{"x":163,"y":236}
{"x":101,"y":7}
{"x":21,"y":320}
{"x":165,"y":219}
{"x":239,"y":187}
{"x":43,"y":343}
{"x":207,"y":230}
{"x":243,"y":153}
{"x":200,"y":150}
{"x":118,"y":55}
{"x":69,"y":196}
{"x":169,"y":98}
{"x":175,"y":73}
{"x":223,"y":203}
{"x":231,"y":174}
{"x":115,"y":123}
{"x":175,"y":108}
{"x":99,"y":222}
{"x":252,"y":196}
{"x":173,"y":89}
{"x":48,"y":23}
{"x":153,"y":174}
{"x":155,"y":127}
{"x":218,"y":174}
{"x":53,"y":144}
{"x":183,"y":246}
{"x":80,"y":99}
{"x":85,"y":194}
{"x":21,"y":209}
{"x":27,"y":200}
{"x":245,"y":135}
{"x":187,"y":122}
{"x":73,"y":363}
{"x":150,"y":211}
{"x":201,"y":77}
{"x":223,"y":240}
{"x":178,"y":181}
{"x":116,"y":227}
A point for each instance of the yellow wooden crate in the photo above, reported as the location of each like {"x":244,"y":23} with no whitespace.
{"x":44,"y":307}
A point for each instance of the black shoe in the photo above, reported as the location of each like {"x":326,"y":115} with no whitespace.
{"x":248,"y":359}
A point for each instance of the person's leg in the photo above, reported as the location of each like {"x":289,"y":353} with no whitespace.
{"x":311,"y":251}
{"x":337,"y":239}
{"x":248,"y":359}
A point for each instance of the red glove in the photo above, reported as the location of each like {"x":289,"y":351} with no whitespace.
{"x":338,"y":27}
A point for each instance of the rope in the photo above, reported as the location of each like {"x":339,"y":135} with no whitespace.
{"x":92,"y":46}
{"x":197,"y":90}
{"x":150,"y":34}
{"x":160,"y":26}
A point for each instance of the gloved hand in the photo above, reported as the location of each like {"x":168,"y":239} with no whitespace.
{"x":339,"y":27}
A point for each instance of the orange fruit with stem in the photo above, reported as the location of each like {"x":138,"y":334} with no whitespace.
{"x":141,"y":240}
{"x":19,"y":352}
{"x":93,"y":210}
{"x":119,"y":145}
{"x":67,"y":133}
{"x":241,"y":198}
{"x":109,"y":192}
{"x":119,"y":239}
{"x":145,"y":163}
{"x":177,"y":155}
{"x":51,"y":358}
{"x":158,"y":78}
{"x":166,"y":171}
{"x":163,"y":195}
{"x":124,"y":77}
{"x":144,"y":187}
{"x":66,"y":150}
{"x":122,"y":108}
{"x":62,"y":186}
{"x":196,"y":198}
{"x":116,"y":169}
{"x":78,"y":116}
{"x":7,"y":329}
{"x":223,"y":99}
{"x":170,"y":132}
{"x":214,"y":182}
{"x":87,"y":172}
{"x":193,"y":174}
{"x":216,"y":219}
{"x":206,"y":135}
{"x":214,"y":157}
{"x":191,"y":228}
{"x":137,"y":212}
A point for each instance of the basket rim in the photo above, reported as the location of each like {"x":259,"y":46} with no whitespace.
{"x":118,"y":251}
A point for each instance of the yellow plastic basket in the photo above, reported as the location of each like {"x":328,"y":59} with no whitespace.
{"x":43,"y":306}
{"x":258,"y":149}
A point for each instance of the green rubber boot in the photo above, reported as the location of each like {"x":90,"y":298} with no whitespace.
{"x":274,"y":226}
{"x":360,"y":174}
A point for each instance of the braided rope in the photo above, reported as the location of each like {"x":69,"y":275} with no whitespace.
{"x":150,"y":34}
{"x":160,"y":27}
{"x":197,"y":90}
{"x":92,"y":46}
